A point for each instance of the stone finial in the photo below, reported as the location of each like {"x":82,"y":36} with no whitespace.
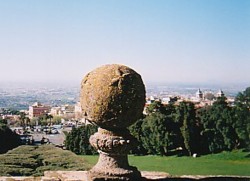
{"x":113,"y":97}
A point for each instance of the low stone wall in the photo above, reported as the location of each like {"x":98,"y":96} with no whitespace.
{"x":147,"y":176}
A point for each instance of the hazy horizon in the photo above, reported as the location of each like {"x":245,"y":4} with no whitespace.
{"x":71,"y":84}
{"x":170,"y":42}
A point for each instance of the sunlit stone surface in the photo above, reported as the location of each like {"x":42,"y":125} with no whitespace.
{"x":113,"y":97}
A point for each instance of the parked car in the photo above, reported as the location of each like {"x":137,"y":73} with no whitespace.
{"x":57,"y":126}
{"x":54,"y":131}
{"x":27,"y":139}
{"x":46,"y":129}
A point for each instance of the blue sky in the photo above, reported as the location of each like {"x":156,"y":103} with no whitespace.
{"x":176,"y":41}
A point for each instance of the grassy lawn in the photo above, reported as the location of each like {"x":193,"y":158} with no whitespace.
{"x":225,"y":163}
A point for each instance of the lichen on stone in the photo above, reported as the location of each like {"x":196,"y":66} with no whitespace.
{"x":112,"y":96}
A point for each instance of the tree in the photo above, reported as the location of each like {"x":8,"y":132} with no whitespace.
{"x":155,"y":138}
{"x":186,"y":117}
{"x":210,"y":129}
{"x":156,"y":106}
{"x":8,"y":139}
{"x":43,"y":120}
{"x":50,"y":117}
{"x":136,"y":131}
{"x":27,"y":121}
{"x":241,"y":112}
{"x":56,"y":120}
{"x":22,"y":118}
{"x":34,"y":121}
{"x":156,"y":132}
{"x":244,"y":98}
{"x":3,"y":121}
{"x":77,"y":140}
{"x":218,"y":126}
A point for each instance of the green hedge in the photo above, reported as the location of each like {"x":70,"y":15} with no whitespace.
{"x":34,"y":160}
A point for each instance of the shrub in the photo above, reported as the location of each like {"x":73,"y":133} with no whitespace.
{"x":8,"y":139}
{"x":34,"y":160}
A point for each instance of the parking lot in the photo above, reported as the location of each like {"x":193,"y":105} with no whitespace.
{"x":43,"y":135}
{"x":56,"y":139}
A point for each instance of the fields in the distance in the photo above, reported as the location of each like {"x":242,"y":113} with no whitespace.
{"x":225,"y":163}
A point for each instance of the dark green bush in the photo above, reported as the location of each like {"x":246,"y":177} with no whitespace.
{"x":77,"y":140}
{"x":8,"y":139}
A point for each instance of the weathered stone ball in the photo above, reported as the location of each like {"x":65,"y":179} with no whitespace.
{"x":112,"y":96}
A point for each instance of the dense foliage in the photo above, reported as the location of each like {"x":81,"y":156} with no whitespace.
{"x":8,"y":139}
{"x":185,"y":129}
{"x":34,"y":160}
{"x":182,"y":129}
{"x":77,"y":140}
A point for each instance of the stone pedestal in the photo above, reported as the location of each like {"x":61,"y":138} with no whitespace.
{"x":113,"y":98}
{"x":113,"y":148}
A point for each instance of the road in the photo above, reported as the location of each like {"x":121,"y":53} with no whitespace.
{"x":56,"y":139}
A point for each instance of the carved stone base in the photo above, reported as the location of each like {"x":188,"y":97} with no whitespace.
{"x":113,"y":167}
{"x":113,"y":147}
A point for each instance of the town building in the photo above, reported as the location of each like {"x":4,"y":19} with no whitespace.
{"x":220,"y":93}
{"x":37,"y":109}
{"x":199,"y":94}
{"x":78,"y":110}
{"x":65,"y":111}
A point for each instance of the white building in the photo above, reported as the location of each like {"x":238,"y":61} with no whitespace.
{"x":220,"y":93}
{"x":199,"y":94}
{"x":78,"y":110}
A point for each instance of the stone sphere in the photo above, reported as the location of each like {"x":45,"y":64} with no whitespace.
{"x":112,"y":96}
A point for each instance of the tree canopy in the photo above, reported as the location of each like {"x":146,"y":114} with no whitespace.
{"x":8,"y":139}
{"x":209,"y":129}
{"x":182,"y":128}
{"x":77,"y":140}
